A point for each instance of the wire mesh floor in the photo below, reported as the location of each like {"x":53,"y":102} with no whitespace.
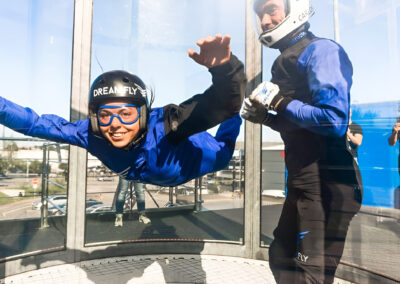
{"x":153,"y":269}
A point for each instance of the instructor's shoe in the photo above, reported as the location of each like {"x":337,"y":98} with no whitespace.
{"x":118,"y":220}
{"x":144,"y":219}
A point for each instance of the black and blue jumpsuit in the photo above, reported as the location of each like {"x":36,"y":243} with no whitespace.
{"x":323,"y":183}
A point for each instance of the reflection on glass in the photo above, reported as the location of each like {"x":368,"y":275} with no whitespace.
{"x":33,"y":193}
{"x":157,"y":52}
{"x":197,"y":210}
{"x":36,"y":72}
{"x":273,"y":187}
{"x":378,"y":162}
{"x":127,"y":194}
{"x":373,"y":238}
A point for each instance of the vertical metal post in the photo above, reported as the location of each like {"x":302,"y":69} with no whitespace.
{"x":80,"y":85}
{"x":45,"y":193}
{"x":130,"y":197}
{"x":234,"y":176}
{"x":196,"y":197}
{"x":252,"y":142}
{"x":336,"y":20}
{"x":198,"y":200}
{"x":201,"y":201}
{"x":171,"y":195}
{"x":48,"y":170}
{"x":241,"y":167}
{"x":58,"y":149}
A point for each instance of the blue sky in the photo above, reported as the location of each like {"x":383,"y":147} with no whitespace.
{"x":150,"y":38}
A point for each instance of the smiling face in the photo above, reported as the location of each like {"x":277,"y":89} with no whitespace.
{"x":271,"y":13}
{"x":117,"y":133}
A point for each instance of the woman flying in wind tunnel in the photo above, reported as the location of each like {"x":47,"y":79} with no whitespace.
{"x":165,"y":146}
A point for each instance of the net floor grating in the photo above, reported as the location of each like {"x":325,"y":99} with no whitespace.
{"x":154,"y":269}
{"x":151,"y":269}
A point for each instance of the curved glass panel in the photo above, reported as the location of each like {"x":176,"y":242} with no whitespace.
{"x":373,"y":240}
{"x":151,"y":39}
{"x":373,"y":236}
{"x":36,"y":72}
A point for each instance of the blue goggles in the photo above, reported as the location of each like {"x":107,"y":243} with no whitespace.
{"x":126,"y":114}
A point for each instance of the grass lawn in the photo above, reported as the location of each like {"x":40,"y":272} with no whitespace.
{"x":4,"y":198}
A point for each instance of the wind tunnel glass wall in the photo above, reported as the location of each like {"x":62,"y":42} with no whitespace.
{"x":151,"y":39}
{"x":373,"y":237}
{"x":36,"y":72}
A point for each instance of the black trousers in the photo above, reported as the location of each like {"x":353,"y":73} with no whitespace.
{"x":310,"y":236}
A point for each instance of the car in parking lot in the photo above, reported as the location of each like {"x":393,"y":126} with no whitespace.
{"x":55,"y":199}
{"x":275,"y":193}
{"x":61,"y":209}
{"x":57,"y":210}
{"x":99,"y":208}
{"x":90,"y":202}
{"x":105,"y":178}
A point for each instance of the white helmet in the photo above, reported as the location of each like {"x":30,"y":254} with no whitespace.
{"x":297,"y":12}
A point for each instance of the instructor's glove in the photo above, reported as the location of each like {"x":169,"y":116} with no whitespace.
{"x":254,"y":112}
{"x":264,"y":94}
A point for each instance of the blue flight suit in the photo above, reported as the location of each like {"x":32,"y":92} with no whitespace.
{"x":176,"y":147}
{"x":324,"y":186}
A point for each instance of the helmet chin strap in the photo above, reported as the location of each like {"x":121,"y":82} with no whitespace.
{"x":291,"y":38}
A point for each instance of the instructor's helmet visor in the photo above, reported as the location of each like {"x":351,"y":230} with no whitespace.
{"x":127,"y":114}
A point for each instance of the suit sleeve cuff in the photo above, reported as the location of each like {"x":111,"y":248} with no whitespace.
{"x":283,"y":103}
{"x":229,"y":68}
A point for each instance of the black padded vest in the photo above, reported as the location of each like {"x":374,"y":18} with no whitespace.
{"x":302,"y":146}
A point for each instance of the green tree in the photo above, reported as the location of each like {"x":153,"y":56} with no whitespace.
{"x":17,"y":166}
{"x":36,"y":167}
{"x":11,"y":147}
{"x":64,"y":168}
{"x":3,"y":167}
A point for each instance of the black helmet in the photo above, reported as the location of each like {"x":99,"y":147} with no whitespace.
{"x":119,"y":84}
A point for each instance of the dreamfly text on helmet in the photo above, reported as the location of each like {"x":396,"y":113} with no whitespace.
{"x":119,"y":90}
